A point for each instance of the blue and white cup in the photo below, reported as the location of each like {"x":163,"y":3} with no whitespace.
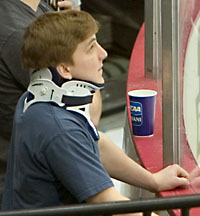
{"x":142,"y":105}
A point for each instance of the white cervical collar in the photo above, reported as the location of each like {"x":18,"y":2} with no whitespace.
{"x":75,"y":95}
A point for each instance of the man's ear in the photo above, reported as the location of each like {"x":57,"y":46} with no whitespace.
{"x":64,"y":71}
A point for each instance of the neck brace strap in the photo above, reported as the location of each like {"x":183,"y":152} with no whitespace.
{"x":71,"y":93}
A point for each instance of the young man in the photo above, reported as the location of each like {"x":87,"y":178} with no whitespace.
{"x":15,"y":15}
{"x":55,"y":157}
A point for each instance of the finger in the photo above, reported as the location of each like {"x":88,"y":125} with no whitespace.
{"x":67,"y":5}
{"x":182,"y":182}
{"x":195,"y":173}
{"x":181,"y":172}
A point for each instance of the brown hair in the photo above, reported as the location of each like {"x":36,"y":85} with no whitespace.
{"x":53,"y":37}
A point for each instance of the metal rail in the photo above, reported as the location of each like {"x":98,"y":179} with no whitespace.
{"x":146,"y":206}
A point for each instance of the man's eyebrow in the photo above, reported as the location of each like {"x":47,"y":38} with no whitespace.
{"x":91,"y":41}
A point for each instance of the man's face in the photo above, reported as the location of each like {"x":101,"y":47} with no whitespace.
{"x":88,"y":61}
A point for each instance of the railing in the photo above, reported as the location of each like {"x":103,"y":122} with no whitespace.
{"x":146,"y":206}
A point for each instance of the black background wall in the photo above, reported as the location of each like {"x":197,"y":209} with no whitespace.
{"x":120,"y":21}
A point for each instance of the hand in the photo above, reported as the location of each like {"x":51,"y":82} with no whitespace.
{"x":66,"y":5}
{"x":194,"y":177}
{"x":171,"y":177}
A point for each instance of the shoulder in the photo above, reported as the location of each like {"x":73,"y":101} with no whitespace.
{"x":51,"y":116}
{"x":16,"y":16}
{"x":50,"y":121}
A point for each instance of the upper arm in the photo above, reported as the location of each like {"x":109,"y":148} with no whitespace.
{"x":108,"y":195}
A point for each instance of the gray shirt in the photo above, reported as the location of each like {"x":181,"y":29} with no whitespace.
{"x":14,"y":16}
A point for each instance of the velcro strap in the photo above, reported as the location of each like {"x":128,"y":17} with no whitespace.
{"x":76,"y":100}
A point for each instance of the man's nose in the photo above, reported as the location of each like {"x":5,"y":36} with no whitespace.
{"x":102,"y":53}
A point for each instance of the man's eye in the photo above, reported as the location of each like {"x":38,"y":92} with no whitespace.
{"x":92,"y":46}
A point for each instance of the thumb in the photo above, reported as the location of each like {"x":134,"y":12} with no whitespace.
{"x":182,"y":182}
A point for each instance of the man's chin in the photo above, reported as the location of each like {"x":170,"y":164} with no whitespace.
{"x":101,"y":82}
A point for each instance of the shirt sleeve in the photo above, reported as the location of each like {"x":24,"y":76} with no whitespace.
{"x":76,"y":163}
{"x":76,"y":3}
{"x":11,"y":56}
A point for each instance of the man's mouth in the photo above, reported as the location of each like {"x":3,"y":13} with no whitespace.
{"x":101,"y":68}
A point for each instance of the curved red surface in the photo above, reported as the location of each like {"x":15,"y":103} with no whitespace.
{"x":149,"y":149}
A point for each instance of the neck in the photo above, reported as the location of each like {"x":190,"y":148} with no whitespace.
{"x":32,"y":3}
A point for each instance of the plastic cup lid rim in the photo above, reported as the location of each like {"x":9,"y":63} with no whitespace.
{"x":142,"y":93}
